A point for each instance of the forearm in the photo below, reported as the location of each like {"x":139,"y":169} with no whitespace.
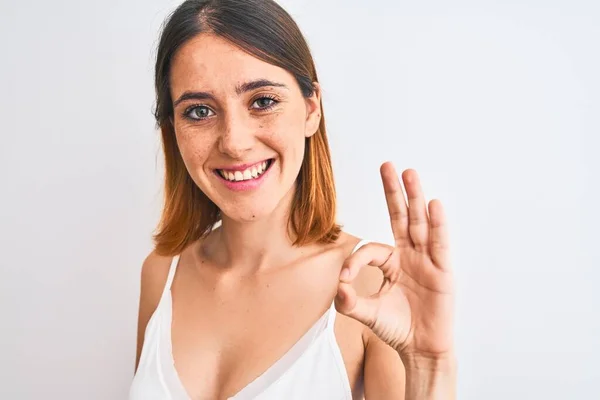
{"x":428,"y":379}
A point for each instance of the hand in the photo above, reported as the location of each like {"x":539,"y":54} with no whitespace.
{"x":412,"y":312}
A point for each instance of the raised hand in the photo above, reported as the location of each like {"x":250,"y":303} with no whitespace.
{"x":413,"y":310}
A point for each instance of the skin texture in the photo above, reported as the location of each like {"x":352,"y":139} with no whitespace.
{"x":244,"y":295}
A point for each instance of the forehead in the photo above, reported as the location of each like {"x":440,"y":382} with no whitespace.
{"x":208,"y":62}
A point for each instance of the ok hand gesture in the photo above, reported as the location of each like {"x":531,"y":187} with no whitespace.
{"x":412,"y":312}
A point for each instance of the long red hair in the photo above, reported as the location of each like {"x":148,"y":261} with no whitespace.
{"x":265,"y":30}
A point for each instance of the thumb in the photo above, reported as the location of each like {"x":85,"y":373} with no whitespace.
{"x":362,"y":309}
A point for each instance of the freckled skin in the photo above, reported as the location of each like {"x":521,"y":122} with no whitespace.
{"x":251,"y":274}
{"x":236,"y":131}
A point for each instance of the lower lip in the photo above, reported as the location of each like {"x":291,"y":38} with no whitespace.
{"x":251,"y":184}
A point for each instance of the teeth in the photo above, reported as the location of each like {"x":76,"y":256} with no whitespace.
{"x":245,"y":175}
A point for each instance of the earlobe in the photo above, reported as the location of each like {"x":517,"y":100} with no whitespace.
{"x":313,"y":111}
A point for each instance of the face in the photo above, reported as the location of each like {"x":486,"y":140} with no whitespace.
{"x":240,"y":125}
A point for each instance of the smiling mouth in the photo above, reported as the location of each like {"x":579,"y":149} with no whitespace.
{"x":247,"y":174}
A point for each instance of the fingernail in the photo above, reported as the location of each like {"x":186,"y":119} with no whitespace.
{"x":345,"y":274}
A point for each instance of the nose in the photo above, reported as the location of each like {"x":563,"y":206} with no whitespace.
{"x":237,"y":137}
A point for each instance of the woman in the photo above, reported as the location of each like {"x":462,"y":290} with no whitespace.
{"x":270,"y":304}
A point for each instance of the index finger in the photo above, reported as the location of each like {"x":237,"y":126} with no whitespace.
{"x":373,"y":254}
{"x":396,"y":203}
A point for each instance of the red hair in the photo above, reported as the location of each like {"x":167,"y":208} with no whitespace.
{"x":265,"y":30}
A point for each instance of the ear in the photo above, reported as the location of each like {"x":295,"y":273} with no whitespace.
{"x":313,"y":111}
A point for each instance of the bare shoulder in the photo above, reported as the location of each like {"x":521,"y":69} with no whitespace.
{"x":155,"y":270}
{"x":345,"y":243}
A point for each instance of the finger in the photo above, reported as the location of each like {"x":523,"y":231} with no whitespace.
{"x":396,"y":204}
{"x":439,"y":243}
{"x":373,"y":254}
{"x":348,"y":303}
{"x":418,"y":221}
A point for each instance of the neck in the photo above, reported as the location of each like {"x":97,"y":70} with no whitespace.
{"x":251,"y":246}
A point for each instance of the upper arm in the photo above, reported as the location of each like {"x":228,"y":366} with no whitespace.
{"x":384,"y":371}
{"x":384,"y":375}
{"x":153,"y":277}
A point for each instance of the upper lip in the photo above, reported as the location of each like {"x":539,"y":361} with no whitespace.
{"x":241,"y":167}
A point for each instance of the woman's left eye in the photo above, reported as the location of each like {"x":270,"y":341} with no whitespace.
{"x":264,"y":103}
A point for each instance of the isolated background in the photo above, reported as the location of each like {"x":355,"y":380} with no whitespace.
{"x":495,"y":105}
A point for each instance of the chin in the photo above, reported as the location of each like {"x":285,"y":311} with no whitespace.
{"x":244,"y":212}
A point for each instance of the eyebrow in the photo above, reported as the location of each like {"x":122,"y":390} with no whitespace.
{"x":243,"y":88}
{"x":248,"y":86}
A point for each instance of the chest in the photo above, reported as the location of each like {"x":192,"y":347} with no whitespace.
{"x":226,"y":336}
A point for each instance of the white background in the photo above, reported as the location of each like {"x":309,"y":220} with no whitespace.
{"x":495,"y":104}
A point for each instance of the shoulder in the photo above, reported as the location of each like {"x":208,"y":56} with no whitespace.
{"x":155,"y":270}
{"x":345,"y":244}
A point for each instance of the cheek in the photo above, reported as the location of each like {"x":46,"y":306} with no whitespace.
{"x":194,"y":146}
{"x":286,"y":139}
{"x":284,"y":131}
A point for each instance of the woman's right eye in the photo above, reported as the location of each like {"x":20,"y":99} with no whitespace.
{"x":198,"y":112}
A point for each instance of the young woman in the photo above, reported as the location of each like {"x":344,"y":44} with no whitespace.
{"x":253,"y":291}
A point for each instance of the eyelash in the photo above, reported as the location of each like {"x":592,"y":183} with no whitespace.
{"x":188,"y":110}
